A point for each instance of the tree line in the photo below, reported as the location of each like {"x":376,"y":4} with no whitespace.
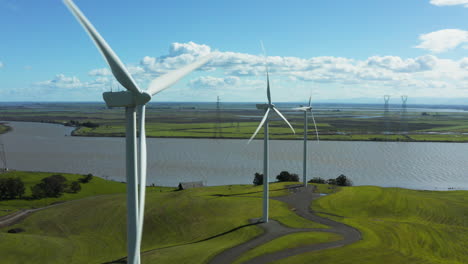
{"x":285,"y":176}
{"x":51,"y":186}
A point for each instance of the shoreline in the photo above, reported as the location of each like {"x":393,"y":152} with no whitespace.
{"x":110,"y":135}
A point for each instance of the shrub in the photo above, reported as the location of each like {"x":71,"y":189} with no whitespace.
{"x":317,"y":180}
{"x":86,"y":178}
{"x":11,"y":188}
{"x":75,"y":187}
{"x":258,"y":179}
{"x":342,"y":180}
{"x":15,"y":230}
{"x":285,"y":176}
{"x":90,"y":124}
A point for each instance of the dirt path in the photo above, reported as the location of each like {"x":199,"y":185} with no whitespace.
{"x":18,"y":216}
{"x":300,"y":199}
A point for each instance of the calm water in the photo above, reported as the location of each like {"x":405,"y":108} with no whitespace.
{"x":48,"y":147}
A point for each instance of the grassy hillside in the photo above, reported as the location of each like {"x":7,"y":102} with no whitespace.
{"x":398,"y":226}
{"x":191,"y":226}
{"x":96,"y":186}
{"x":180,"y":226}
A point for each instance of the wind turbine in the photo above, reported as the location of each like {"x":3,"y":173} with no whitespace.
{"x":267,"y":107}
{"x":306,"y":109}
{"x":134,"y":100}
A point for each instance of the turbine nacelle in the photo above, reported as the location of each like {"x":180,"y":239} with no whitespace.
{"x":125,"y":99}
{"x":304,"y":108}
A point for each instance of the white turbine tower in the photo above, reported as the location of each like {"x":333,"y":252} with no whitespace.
{"x":134,"y":99}
{"x":306,"y":109}
{"x":267,"y":107}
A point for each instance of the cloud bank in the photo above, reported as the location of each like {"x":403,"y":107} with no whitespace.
{"x":449,"y":2}
{"x":234,"y":74}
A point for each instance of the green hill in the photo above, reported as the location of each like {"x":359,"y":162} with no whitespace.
{"x":191,"y":226}
{"x":398,"y":226}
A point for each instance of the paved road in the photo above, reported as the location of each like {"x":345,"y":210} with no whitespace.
{"x":300,"y":199}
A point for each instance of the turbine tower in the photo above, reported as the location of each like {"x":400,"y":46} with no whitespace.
{"x":134,"y":100}
{"x":386,"y":116}
{"x":306,"y":109}
{"x":267,"y":107}
{"x":404,"y":115}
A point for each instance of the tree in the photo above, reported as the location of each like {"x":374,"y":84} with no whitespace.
{"x":52,"y":186}
{"x":11,"y":188}
{"x":258,"y":179}
{"x":342,"y":180}
{"x":75,"y":187}
{"x":285,"y":176}
{"x":331,"y":181}
{"x":317,"y":180}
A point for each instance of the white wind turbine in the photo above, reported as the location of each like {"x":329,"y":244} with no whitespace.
{"x":134,"y":99}
{"x":306,"y":109}
{"x":267,"y":107}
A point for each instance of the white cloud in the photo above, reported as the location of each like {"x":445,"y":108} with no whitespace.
{"x":100,"y":72}
{"x":449,"y":2}
{"x":191,"y":48}
{"x":443,"y":40}
{"x":242,"y":75}
{"x":64,"y":82}
{"x":397,"y":64}
{"x":214,"y":82}
{"x":1,"y":64}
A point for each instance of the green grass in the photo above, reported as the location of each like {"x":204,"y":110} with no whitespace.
{"x":192,"y":226}
{"x":398,"y":226}
{"x":4,"y":128}
{"x":179,"y":225}
{"x":97,"y":186}
{"x":289,"y":241}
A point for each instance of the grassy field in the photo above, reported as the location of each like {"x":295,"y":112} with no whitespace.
{"x":191,"y":226}
{"x":96,"y":186}
{"x":398,"y":226}
{"x":185,"y":226}
{"x":204,"y":122}
{"x":289,"y":241}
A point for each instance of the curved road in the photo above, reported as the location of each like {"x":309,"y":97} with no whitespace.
{"x":300,"y":199}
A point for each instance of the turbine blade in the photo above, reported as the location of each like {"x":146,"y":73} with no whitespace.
{"x":310,"y":98}
{"x":141,"y":175}
{"x":261,"y":124}
{"x":266,"y":70}
{"x":168,"y":79}
{"x":118,"y":69}
{"x":315,"y":125}
{"x":284,"y":118}
{"x":268,"y":89}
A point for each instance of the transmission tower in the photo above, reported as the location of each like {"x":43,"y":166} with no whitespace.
{"x":218,"y":129}
{"x":386,"y":115}
{"x":404,"y":115}
{"x":2,"y":157}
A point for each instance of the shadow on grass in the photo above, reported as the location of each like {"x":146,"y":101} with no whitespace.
{"x":288,"y":187}
{"x":124,"y":260}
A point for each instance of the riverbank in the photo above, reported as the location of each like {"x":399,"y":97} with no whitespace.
{"x":397,"y":226}
{"x":176,"y":120}
{"x":47,"y":147}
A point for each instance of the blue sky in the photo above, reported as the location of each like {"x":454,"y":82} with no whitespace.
{"x":336,"y":49}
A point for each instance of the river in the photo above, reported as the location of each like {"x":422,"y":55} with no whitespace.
{"x":49,"y":147}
